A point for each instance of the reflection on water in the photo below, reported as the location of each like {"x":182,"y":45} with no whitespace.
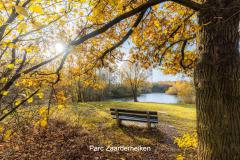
{"x":153,"y":97}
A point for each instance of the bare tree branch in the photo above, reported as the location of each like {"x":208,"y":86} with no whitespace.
{"x":171,"y":45}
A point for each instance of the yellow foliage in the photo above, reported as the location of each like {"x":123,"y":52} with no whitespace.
{"x":4,"y":79}
{"x":42,"y":110}
{"x":81,"y":13}
{"x":61,"y":97}
{"x":40,"y":95}
{"x":36,"y":9}
{"x":184,"y":90}
{"x":43,"y":122}
{"x":12,"y":45}
{"x":17,"y":102}
{"x":172,"y":91}
{"x":4,"y":93}
{"x":22,"y":26}
{"x":20,"y":17}
{"x":21,"y":10}
{"x":60,"y":107}
{"x":7,"y":135}
{"x":179,"y":157}
{"x":187,"y":141}
{"x":5,"y":111}
{"x":37,"y":25}
{"x":30,"y":100}
{"x":10,"y":66}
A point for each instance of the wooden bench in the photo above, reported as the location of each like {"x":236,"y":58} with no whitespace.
{"x":134,"y":115}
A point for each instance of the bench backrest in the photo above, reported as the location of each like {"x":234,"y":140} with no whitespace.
{"x":134,"y":113}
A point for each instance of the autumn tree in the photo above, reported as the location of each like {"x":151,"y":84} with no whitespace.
{"x":134,"y":75}
{"x":84,"y":86}
{"x":178,"y":34}
{"x":184,"y":90}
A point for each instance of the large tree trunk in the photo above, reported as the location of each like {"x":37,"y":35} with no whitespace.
{"x":217,"y":82}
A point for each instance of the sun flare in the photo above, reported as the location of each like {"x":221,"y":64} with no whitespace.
{"x":60,"y":47}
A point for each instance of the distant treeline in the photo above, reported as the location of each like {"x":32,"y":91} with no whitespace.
{"x":118,"y":91}
{"x":184,"y":90}
{"x":161,"y":87}
{"x":121,"y":91}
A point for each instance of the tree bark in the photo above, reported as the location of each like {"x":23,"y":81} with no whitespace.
{"x":135,"y":97}
{"x":134,"y":92}
{"x":217,"y":81}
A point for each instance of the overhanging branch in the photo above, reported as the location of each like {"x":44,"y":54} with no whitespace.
{"x":184,"y":66}
{"x":150,"y":3}
{"x":190,"y":4}
{"x":127,"y":35}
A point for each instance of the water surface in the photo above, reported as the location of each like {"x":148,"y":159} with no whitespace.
{"x":152,"y":97}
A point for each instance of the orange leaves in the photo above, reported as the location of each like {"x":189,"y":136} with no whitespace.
{"x":61,"y":98}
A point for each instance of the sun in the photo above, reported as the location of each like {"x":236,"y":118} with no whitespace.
{"x":60,"y":47}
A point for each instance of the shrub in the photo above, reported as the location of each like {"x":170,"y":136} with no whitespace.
{"x":187,"y":143}
{"x":172,"y":90}
{"x":184,"y":90}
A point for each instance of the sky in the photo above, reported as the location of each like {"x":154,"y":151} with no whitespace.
{"x":157,"y":75}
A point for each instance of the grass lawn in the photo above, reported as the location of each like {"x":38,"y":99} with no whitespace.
{"x":181,"y":116}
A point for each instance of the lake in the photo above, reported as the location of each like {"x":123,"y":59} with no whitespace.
{"x":153,"y":97}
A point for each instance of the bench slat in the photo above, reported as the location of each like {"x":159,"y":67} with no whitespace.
{"x":133,"y":111}
{"x":136,"y":119}
{"x":135,"y":115}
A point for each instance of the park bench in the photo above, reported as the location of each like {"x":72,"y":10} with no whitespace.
{"x":134,"y":115}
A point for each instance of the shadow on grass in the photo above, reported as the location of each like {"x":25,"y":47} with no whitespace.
{"x":138,"y":133}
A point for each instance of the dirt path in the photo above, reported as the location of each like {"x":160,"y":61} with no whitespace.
{"x":169,"y":131}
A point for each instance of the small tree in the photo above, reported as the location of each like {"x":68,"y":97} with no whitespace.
{"x":134,"y":76}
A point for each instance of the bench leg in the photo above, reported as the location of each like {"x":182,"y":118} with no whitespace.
{"x":149,"y":125}
{"x":148,"y":122}
{"x":119,"y":122}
